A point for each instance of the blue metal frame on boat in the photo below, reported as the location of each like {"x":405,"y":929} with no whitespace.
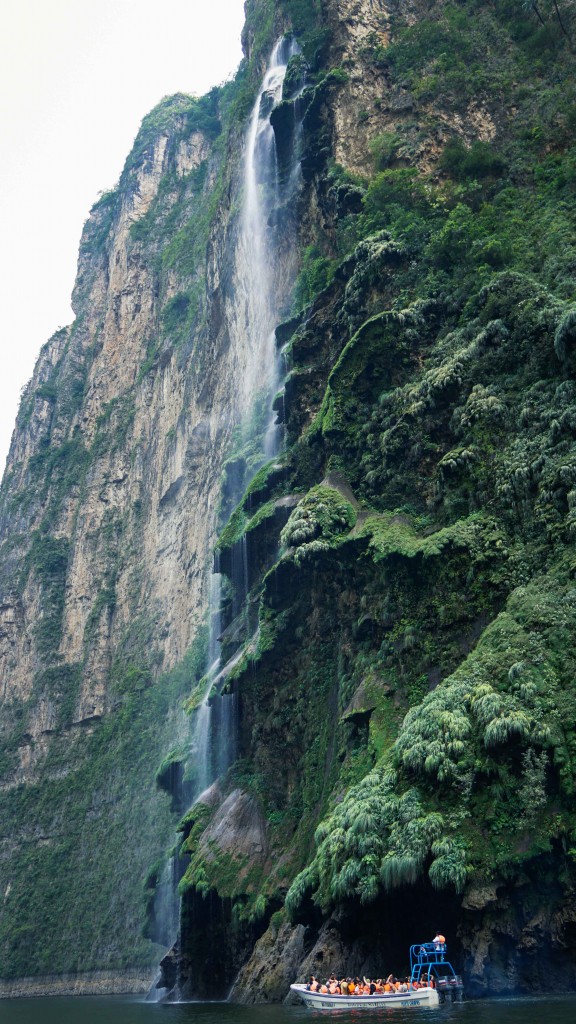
{"x":429,"y":961}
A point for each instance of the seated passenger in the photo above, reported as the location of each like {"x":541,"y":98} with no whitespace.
{"x":403,"y":986}
{"x":313,"y":986}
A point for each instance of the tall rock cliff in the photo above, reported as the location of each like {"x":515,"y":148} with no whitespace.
{"x":396,"y":596}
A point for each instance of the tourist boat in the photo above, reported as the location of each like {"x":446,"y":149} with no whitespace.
{"x":429,"y":966}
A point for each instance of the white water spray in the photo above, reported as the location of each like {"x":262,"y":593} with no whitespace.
{"x":263,"y":282}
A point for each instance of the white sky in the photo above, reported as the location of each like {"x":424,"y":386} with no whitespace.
{"x":76,"y":79}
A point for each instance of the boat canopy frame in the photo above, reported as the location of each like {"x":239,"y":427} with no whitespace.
{"x":429,"y":960}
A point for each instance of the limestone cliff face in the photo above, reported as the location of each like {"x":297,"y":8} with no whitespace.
{"x":143,"y":440}
{"x":109,"y":509}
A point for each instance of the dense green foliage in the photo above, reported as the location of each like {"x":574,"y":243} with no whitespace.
{"x":410,"y":696}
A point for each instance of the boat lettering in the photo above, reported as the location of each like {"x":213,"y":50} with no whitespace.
{"x":411,"y":1002}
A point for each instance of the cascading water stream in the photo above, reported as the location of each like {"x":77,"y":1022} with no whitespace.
{"x":257,"y":294}
{"x":261,"y":288}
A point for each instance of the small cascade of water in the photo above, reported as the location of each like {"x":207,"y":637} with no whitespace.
{"x":239,"y":576}
{"x":167,"y":908}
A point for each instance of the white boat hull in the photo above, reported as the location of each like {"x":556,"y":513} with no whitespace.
{"x":324,"y":1001}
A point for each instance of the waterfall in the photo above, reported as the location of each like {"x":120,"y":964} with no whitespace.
{"x":258,"y":296}
{"x":262,"y":283}
{"x":265,"y":267}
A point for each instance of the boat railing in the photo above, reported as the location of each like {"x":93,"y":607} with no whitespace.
{"x":427,"y":953}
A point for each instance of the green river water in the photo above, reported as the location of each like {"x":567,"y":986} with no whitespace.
{"x":88,"y":1010}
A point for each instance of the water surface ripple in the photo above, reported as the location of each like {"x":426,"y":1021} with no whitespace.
{"x":124,"y":1010}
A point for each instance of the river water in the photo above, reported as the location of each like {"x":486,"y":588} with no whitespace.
{"x":119,"y":1010}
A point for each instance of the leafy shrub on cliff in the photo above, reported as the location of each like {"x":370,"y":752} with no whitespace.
{"x":400,"y":186}
{"x":565,"y":337}
{"x":500,"y":720}
{"x":321,"y":518}
{"x":48,"y":559}
{"x":316,"y":272}
{"x":480,"y":160}
{"x":384,"y":148}
{"x":376,"y":838}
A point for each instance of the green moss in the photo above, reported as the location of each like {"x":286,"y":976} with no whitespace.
{"x":393,"y":534}
{"x":99,"y":782}
{"x":323,"y":515}
{"x":234,"y":529}
{"x":316,"y":272}
{"x":175,"y":758}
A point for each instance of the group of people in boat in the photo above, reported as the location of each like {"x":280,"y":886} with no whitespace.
{"x":366,"y":987}
{"x":391,"y":986}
